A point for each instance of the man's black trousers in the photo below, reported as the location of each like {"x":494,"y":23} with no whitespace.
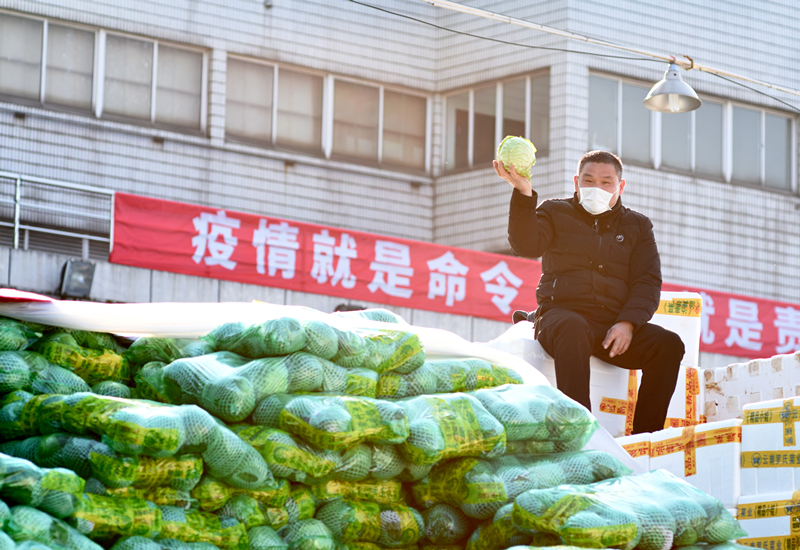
{"x":571,"y":339}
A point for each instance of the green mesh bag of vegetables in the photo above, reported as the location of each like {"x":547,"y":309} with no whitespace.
{"x":160,"y":496}
{"x":92,"y":340}
{"x":150,"y":348}
{"x":225,"y":384}
{"x":468,"y":483}
{"x":540,"y":413}
{"x":90,"y":364}
{"x":103,"y":518}
{"x":500,"y":533}
{"x":14,"y":335}
{"x":301,"y":504}
{"x":15,"y":373}
{"x":268,"y":339}
{"x":29,"y":524}
{"x":386,"y":462}
{"x":627,"y":512}
{"x":112,"y":389}
{"x":85,"y":456}
{"x":5,"y":515}
{"x":7,"y":543}
{"x":351,"y":349}
{"x":196,"y":526}
{"x":265,"y":538}
{"x":143,"y":543}
{"x":392,"y":350}
{"x":212,"y":494}
{"x":446,"y":426}
{"x":149,"y":381}
{"x":373,"y":546}
{"x":422,"y":381}
{"x":446,"y":524}
{"x":392,"y":525}
{"x":53,"y":379}
{"x":377,"y":490}
{"x":458,"y":375}
{"x":307,"y":534}
{"x":53,"y":490}
{"x":334,"y":422}
{"x":230,"y":459}
{"x":245,"y":509}
{"x":287,"y":456}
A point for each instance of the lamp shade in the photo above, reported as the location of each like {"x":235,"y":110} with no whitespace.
{"x":671,"y":94}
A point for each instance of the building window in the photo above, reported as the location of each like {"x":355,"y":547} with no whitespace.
{"x":477,"y":120}
{"x":319,"y":113}
{"x":720,"y":140}
{"x":135,"y":79}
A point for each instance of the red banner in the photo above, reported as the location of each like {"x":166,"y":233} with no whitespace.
{"x":745,"y":327}
{"x":263,"y":250}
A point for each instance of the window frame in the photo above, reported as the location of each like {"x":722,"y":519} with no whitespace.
{"x":98,"y":76}
{"x":328,"y":108}
{"x":498,"y":114}
{"x":727,"y":139}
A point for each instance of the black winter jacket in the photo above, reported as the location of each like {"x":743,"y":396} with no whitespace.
{"x":605,"y":266}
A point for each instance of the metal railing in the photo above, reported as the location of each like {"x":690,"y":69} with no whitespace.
{"x":71,"y":209}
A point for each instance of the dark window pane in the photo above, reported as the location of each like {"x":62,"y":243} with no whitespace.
{"x":708,"y":139}
{"x":602,"y":114}
{"x":746,"y":145}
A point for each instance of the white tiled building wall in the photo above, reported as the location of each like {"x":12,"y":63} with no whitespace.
{"x":711,"y":234}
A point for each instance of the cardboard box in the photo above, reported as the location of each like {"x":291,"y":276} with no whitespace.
{"x":770,"y":520}
{"x":706,"y":455}
{"x":638,"y":446}
{"x":770,"y":449}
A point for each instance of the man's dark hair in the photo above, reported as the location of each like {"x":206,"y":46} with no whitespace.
{"x":603,"y":157}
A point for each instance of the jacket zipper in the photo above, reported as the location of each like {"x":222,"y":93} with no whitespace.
{"x":599,"y":244}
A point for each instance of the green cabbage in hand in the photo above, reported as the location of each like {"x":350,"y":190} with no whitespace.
{"x":517,"y":151}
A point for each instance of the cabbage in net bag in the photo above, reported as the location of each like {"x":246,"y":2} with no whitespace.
{"x":500,"y":533}
{"x":422,"y":381}
{"x":195,"y":526}
{"x":15,"y":373}
{"x":11,"y":407}
{"x":445,"y":524}
{"x":265,"y":538}
{"x":85,"y":456}
{"x":90,"y":364}
{"x":104,"y":518}
{"x":14,"y":335}
{"x":307,"y":534}
{"x":450,"y":425}
{"x":392,"y":350}
{"x":30,"y":524}
{"x":391,"y":525}
{"x":224,"y":384}
{"x":112,"y":389}
{"x":334,"y":422}
{"x":53,"y":490}
{"x":287,"y":456}
{"x":457,"y":375}
{"x":7,"y":543}
{"x":301,"y":504}
{"x":150,"y":348}
{"x":149,"y":381}
{"x":212,"y":494}
{"x":539,"y":413}
{"x":143,"y":543}
{"x":372,"y":314}
{"x":245,"y":509}
{"x":269,"y":339}
{"x":628,"y":512}
{"x":92,"y":340}
{"x":309,"y":373}
{"x":53,"y":379}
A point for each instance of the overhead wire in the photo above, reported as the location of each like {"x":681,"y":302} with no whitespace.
{"x":565,"y":50}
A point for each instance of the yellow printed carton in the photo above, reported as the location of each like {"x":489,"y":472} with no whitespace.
{"x":771,"y":520}
{"x":770,"y":451}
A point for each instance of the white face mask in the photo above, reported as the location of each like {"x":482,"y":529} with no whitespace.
{"x":594,"y":200}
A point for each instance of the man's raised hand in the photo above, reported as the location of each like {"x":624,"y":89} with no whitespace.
{"x":520,"y":183}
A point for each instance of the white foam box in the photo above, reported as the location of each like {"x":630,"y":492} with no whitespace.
{"x":706,"y":456}
{"x":770,"y":450}
{"x":680,"y":312}
{"x":612,"y":389}
{"x":770,"y":520}
{"x":638,"y":446}
{"x":730,"y":388}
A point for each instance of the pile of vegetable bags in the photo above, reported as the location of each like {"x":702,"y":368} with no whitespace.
{"x":306,"y":430}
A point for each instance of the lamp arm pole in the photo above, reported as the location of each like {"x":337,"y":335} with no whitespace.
{"x":686,"y":65}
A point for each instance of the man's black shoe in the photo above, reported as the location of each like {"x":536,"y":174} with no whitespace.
{"x":519,"y":315}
